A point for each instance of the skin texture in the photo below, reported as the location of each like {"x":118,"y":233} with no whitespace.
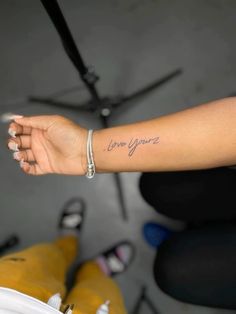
{"x":200,"y":137}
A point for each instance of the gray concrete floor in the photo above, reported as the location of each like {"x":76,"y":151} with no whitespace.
{"x":130,"y":43}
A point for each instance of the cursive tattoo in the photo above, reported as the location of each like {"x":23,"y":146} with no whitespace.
{"x":132,"y":144}
{"x":114,"y":144}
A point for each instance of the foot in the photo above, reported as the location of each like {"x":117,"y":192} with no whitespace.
{"x":72,"y":216}
{"x":116,"y":259}
{"x":155,"y":234}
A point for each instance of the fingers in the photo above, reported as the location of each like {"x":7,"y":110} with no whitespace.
{"x":19,"y":142}
{"x":22,"y":141}
{"x":38,"y":122}
{"x":16,"y":129}
{"x":32,"y":169}
{"x":25,"y":159}
{"x":26,"y":155}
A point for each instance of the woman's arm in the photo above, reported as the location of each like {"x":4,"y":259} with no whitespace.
{"x":200,"y":137}
{"x":196,"y":138}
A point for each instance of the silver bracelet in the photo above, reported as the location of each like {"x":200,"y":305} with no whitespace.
{"x":90,"y":162}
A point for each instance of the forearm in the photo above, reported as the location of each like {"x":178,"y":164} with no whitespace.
{"x":200,"y":137}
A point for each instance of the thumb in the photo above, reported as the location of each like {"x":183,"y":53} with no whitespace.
{"x":37,"y":122}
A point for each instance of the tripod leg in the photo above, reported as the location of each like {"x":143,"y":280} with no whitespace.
{"x":104,"y":120}
{"x":138,"y":305}
{"x":121,"y":196}
{"x":88,"y":77}
{"x":61,"y":104}
{"x":151,"y":305}
{"x":149,"y":88}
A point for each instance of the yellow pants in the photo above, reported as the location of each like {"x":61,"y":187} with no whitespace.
{"x":40,"y":272}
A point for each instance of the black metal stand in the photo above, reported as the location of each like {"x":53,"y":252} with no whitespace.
{"x":102,"y":106}
{"x":143,"y":298}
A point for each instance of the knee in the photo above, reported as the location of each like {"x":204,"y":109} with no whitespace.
{"x":168,"y":191}
{"x":173,"y":269}
{"x":165,"y":273}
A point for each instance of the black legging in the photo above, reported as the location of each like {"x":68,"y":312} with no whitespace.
{"x":197,"y":265}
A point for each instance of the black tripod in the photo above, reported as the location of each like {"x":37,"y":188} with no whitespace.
{"x":144,"y":298}
{"x":102,"y":106}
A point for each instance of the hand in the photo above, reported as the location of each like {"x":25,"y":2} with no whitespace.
{"x":48,"y":144}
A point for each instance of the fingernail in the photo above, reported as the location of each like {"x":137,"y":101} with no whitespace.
{"x":16,"y":117}
{"x":8,"y":116}
{"x":16,"y":156}
{"x":12,"y":133}
{"x":22,"y":163}
{"x":13,"y":146}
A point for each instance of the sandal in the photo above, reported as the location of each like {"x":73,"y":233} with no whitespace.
{"x":72,"y":215}
{"x":116,"y":259}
